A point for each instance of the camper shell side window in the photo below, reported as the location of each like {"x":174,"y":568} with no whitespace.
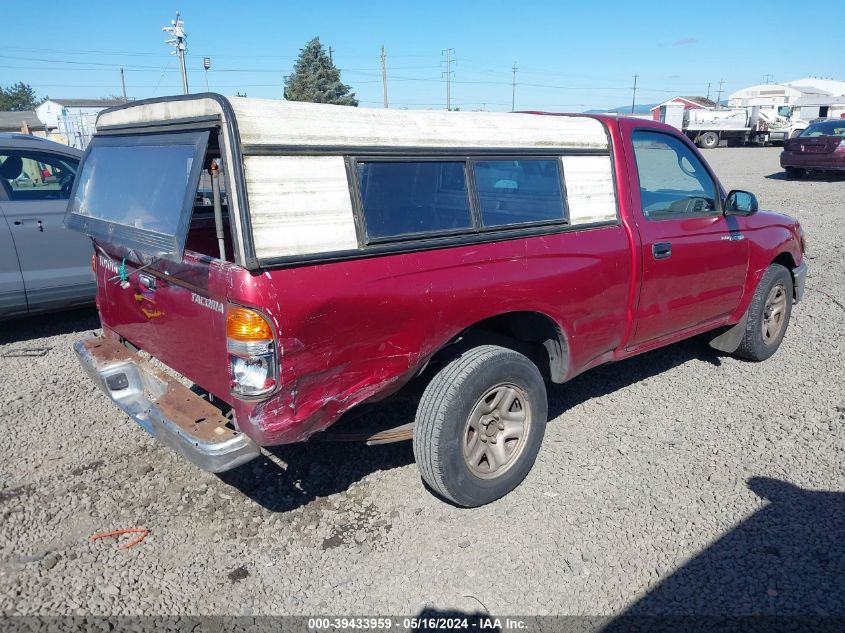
{"x":414,"y":197}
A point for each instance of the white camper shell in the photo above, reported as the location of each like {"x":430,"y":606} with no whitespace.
{"x":289,"y":167}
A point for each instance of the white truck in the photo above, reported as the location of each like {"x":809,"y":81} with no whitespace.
{"x":707,"y":127}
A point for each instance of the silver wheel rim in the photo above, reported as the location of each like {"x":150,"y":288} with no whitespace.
{"x":774,"y":314}
{"x":496,"y":431}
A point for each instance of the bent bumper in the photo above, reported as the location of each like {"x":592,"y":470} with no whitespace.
{"x":799,"y":274}
{"x":164,"y":407}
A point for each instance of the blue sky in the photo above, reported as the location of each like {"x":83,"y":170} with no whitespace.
{"x":571,"y":56}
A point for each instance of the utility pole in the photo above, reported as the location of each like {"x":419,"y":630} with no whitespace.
{"x":708,"y":90}
{"x":514,"y":68}
{"x":331,"y":50}
{"x":719,"y":94}
{"x":123,"y":83}
{"x":448,"y":52}
{"x":634,"y":98}
{"x":206,"y":64}
{"x":384,"y":75}
{"x":179,"y":42}
{"x":767,"y":78}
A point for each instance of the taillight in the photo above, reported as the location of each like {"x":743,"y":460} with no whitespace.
{"x":253,"y":364}
{"x":94,"y":262}
{"x":803,"y":238}
{"x":841,"y":147}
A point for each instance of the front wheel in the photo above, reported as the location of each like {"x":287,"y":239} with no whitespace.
{"x":768,"y":315}
{"x":480,"y":424}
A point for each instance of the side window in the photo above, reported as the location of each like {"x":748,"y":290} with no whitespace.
{"x":37,"y":176}
{"x":518,"y":191}
{"x":409,"y":198}
{"x":673,"y":182}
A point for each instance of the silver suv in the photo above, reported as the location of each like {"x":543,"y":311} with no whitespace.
{"x":43,"y":266}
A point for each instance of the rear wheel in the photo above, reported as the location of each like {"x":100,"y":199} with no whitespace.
{"x":480,"y":424}
{"x":768,"y":315}
{"x":708,"y":140}
{"x":794,"y":173}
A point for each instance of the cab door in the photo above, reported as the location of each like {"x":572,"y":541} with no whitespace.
{"x":55,"y":263}
{"x":695,"y":259}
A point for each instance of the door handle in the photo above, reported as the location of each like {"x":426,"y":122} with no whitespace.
{"x":661,"y":250}
{"x":38,"y":222}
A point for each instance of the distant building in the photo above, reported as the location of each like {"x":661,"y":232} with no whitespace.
{"x":689,"y":103}
{"x":20,"y":121}
{"x":73,"y":118}
{"x":787,"y":93}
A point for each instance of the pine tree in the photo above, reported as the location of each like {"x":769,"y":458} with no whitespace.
{"x":316,"y":79}
{"x":18,"y":97}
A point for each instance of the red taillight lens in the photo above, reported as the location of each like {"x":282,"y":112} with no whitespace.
{"x":840,"y":149}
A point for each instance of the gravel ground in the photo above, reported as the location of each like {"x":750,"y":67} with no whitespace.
{"x":681,"y":481}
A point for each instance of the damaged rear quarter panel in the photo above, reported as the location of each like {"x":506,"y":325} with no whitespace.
{"x":358,"y":330}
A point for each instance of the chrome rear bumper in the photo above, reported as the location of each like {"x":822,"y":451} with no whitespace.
{"x":164,"y":407}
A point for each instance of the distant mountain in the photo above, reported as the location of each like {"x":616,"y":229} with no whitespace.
{"x":639,"y":108}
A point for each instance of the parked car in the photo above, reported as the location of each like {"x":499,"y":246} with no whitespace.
{"x":43,"y":266}
{"x":820,"y":147}
{"x":476,"y":254}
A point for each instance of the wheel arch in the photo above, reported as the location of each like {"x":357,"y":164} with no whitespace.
{"x":534,"y":334}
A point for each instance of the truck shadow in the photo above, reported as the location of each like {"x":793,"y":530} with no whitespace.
{"x":607,"y":379}
{"x":317,"y":469}
{"x":822,"y":176}
{"x":27,"y":328}
{"x":778,"y":569}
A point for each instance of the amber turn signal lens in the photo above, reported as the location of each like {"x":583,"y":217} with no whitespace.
{"x":243,"y":324}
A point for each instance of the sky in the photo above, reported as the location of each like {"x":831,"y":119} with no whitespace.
{"x":571,"y":56}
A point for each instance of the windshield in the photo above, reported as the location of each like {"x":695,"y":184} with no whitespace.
{"x":138,"y":191}
{"x":825,"y":128}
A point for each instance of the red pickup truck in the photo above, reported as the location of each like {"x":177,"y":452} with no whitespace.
{"x":295,"y":260}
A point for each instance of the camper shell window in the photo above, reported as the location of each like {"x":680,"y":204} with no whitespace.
{"x":424,"y":197}
{"x":139,"y":191}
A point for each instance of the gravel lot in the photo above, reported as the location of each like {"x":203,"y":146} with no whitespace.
{"x":681,"y":481}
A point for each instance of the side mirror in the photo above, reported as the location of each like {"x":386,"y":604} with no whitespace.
{"x":741,"y":202}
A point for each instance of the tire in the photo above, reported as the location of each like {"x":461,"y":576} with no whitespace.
{"x":484,"y":386}
{"x":795,"y":173}
{"x":773,"y":295}
{"x":708,"y":140}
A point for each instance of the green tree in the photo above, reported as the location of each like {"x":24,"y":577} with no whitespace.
{"x":18,"y":97}
{"x":316,"y":79}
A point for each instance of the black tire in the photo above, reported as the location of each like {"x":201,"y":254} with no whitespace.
{"x":442,"y":428}
{"x":795,"y":173}
{"x":755,"y":345}
{"x":708,"y":140}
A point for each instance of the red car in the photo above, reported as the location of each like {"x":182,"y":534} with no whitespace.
{"x":820,"y":147}
{"x":479,"y":255}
